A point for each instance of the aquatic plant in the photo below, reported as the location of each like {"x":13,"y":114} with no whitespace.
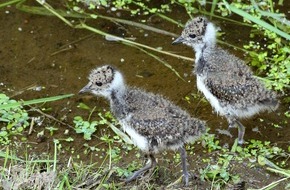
{"x":218,"y":168}
{"x":14,"y":118}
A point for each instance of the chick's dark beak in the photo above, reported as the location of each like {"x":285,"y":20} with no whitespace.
{"x":85,"y":89}
{"x":178,"y":40}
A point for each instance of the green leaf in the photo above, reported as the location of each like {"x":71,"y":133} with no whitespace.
{"x":3,"y":133}
{"x":83,"y":106}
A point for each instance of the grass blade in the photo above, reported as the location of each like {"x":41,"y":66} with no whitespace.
{"x":36,"y":101}
{"x":9,"y":3}
{"x":257,"y":21}
{"x":213,"y":6}
{"x":118,"y":132}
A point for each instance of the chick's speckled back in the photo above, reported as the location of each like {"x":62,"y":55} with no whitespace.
{"x":232,"y":81}
{"x":164,"y":124}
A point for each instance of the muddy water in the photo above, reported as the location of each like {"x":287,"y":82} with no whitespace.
{"x":31,"y":54}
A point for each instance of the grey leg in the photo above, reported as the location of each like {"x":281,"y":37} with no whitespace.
{"x":233,"y":122}
{"x":152,"y":164}
{"x":241,"y":132}
{"x":184,"y":166}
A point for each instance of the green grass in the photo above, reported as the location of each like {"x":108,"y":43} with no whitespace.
{"x":14,"y":118}
{"x":35,"y":101}
{"x":31,"y":171}
{"x":114,"y":158}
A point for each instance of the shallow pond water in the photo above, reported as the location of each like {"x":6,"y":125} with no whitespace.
{"x":32,"y":54}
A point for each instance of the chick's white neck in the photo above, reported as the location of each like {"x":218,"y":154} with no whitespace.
{"x":118,"y":83}
{"x":209,"y":39}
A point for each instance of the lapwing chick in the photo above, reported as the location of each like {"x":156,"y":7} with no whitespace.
{"x":153,"y":123}
{"x":225,"y":80}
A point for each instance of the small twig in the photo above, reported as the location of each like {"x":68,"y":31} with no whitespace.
{"x":32,"y":86}
{"x":78,"y":40}
{"x":62,"y":50}
{"x":179,"y":180}
{"x":32,"y":59}
{"x":91,"y":113}
{"x":92,"y":185}
{"x":111,"y":171}
{"x":195,"y":111}
{"x":31,"y":126}
{"x":273,"y":184}
{"x":51,"y":117}
{"x":69,"y":46}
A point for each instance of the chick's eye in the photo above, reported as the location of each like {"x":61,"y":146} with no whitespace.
{"x":99,"y":83}
{"x":192,"y":35}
